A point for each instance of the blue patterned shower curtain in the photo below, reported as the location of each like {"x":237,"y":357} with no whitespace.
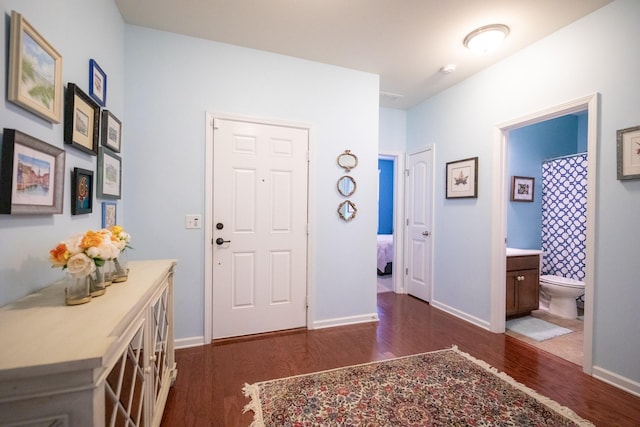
{"x":564,"y":216}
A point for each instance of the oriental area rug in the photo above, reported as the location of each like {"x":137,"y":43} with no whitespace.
{"x":441,"y":388}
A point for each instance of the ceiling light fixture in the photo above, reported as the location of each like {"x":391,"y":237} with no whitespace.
{"x":487,"y":38}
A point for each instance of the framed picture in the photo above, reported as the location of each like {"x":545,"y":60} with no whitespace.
{"x":522,"y":189}
{"x":109,"y":214}
{"x":31,"y":175}
{"x":462,"y":178}
{"x":111,"y":131}
{"x":81,"y":120}
{"x":628,"y":143}
{"x":35,"y":71}
{"x":109,"y":174}
{"x":81,"y":191}
{"x":97,"y":83}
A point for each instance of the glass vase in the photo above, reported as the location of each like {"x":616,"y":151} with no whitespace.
{"x":76,"y":290}
{"x":97,"y":286}
{"x":120,"y":271}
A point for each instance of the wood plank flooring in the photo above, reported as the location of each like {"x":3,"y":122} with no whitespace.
{"x":208,"y":390}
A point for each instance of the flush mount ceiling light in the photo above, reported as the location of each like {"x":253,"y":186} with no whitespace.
{"x":487,"y":38}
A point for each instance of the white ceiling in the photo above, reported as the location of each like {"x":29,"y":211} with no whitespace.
{"x":406,"y":42}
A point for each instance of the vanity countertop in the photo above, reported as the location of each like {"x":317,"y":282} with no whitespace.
{"x":523,"y":252}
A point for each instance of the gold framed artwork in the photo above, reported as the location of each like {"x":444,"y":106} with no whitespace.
{"x":81,"y":120}
{"x":628,"y":147}
{"x":35,"y":71}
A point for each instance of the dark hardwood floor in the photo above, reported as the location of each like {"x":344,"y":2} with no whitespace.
{"x":208,"y":390}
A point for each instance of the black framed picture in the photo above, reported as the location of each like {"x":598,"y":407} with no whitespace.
{"x":109,"y":174}
{"x":81,"y":191}
{"x":81,"y":120}
{"x":628,"y":150}
{"x":97,"y":83}
{"x":111,"y":131}
{"x":31,"y":175}
{"x":462,"y":179}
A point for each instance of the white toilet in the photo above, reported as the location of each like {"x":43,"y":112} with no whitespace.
{"x":558,"y":295}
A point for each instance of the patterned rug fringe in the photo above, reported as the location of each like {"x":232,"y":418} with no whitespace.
{"x":252,"y":391}
{"x":550,"y":403}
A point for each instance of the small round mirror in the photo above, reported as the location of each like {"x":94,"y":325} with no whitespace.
{"x":346,"y":186}
{"x":347,"y":210}
{"x":347,"y":160}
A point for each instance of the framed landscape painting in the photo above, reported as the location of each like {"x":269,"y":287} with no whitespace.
{"x":81,"y":120}
{"x":35,"y":71}
{"x":31,"y":175}
{"x":109,"y":175}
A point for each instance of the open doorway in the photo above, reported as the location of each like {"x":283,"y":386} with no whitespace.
{"x":390,"y":239}
{"x":546,"y":212}
{"x":501,"y":181}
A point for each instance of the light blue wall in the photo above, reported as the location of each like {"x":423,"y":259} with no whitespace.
{"x":79,"y":30}
{"x":393,"y":130}
{"x":571,"y":63}
{"x":528,"y":147}
{"x":171,"y":82}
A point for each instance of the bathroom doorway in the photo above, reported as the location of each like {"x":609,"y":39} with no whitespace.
{"x":587,"y":107}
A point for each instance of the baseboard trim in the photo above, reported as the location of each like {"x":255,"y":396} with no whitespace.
{"x":189,"y":342}
{"x":344,"y":321}
{"x":461,"y":314}
{"x":616,"y":380}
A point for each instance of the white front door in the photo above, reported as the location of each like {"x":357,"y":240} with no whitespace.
{"x":259,"y":227}
{"x":418,"y":246}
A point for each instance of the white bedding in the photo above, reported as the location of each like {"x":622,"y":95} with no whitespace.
{"x":385,"y":250}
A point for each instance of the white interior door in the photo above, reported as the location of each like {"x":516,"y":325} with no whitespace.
{"x":418,"y":213}
{"x":260,"y":175}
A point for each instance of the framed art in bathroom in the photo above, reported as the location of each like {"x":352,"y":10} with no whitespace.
{"x":35,"y":71}
{"x":522,"y":188}
{"x":462,"y":179}
{"x":628,"y":145}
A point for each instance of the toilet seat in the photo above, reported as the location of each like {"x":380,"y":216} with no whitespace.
{"x":561,"y":281}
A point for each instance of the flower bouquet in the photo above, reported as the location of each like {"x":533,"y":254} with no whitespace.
{"x":121,"y":239}
{"x":83,"y":256}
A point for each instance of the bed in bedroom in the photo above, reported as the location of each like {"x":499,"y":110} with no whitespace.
{"x":385,"y":254}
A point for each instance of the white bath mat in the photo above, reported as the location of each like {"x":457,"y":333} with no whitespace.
{"x":536,"y":329}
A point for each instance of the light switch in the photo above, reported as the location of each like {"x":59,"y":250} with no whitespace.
{"x":193,"y":221}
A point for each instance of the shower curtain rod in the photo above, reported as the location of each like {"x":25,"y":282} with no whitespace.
{"x":563,"y":157}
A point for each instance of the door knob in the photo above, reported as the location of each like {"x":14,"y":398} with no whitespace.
{"x":220,"y":241}
{"x":425,"y":233}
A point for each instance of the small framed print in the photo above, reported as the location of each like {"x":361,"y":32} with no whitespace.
{"x":81,"y":191}
{"x":462,"y":179}
{"x":35,"y":71}
{"x":81,"y":120}
{"x":109,"y":174}
{"x":628,"y":147}
{"x":97,"y":83}
{"x":111,"y":131}
{"x":109,"y":214}
{"x":31,"y":175}
{"x":522,"y":189}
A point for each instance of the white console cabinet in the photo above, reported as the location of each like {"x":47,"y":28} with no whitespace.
{"x":106,"y":363}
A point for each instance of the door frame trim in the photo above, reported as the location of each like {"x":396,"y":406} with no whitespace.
{"x":590,"y":103}
{"x":398,"y":216}
{"x":210,"y":118}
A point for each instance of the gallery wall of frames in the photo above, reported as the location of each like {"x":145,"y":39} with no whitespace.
{"x":32,"y":171}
